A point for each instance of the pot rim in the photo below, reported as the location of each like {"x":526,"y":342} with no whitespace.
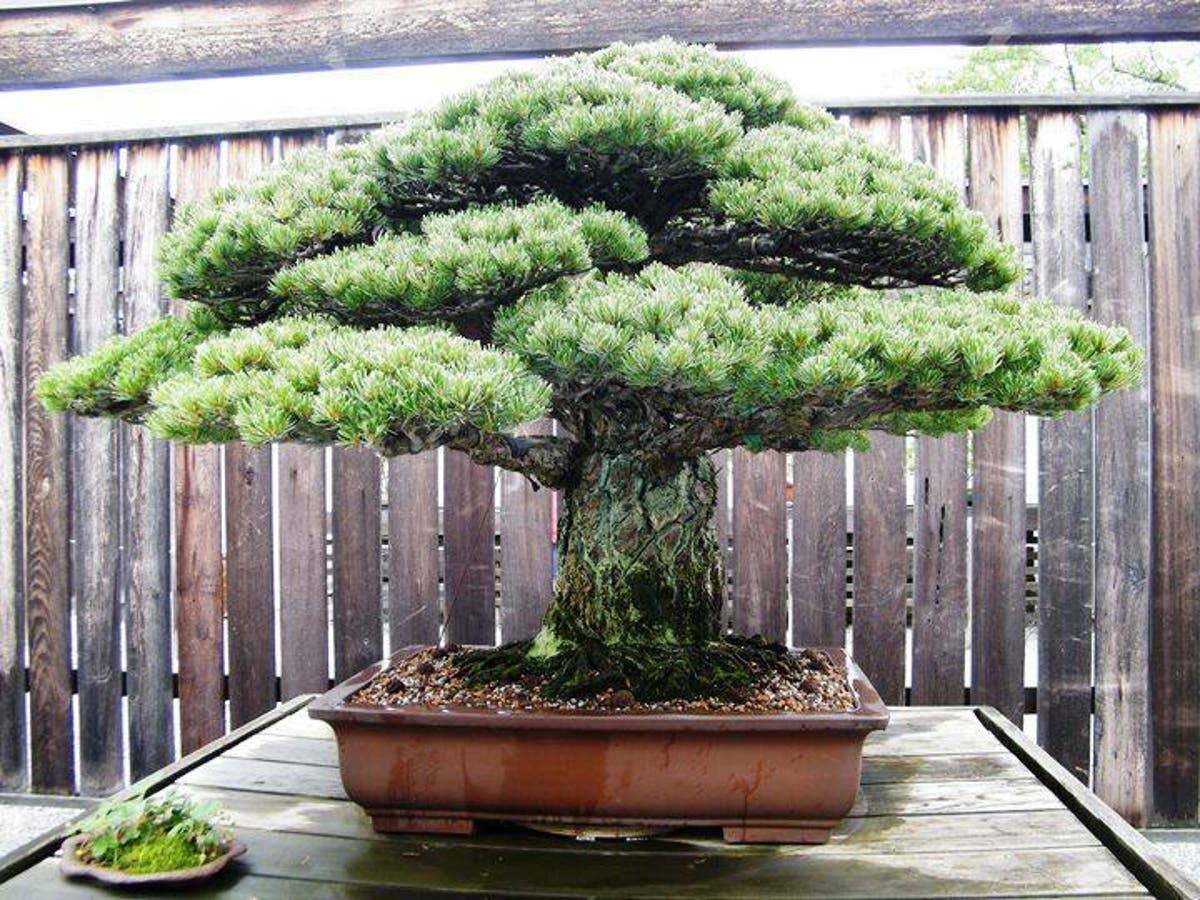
{"x":869,"y":715}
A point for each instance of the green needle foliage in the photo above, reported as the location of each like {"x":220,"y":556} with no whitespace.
{"x":656,"y":245}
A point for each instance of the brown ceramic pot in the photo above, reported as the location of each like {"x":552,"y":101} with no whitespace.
{"x":761,"y":777}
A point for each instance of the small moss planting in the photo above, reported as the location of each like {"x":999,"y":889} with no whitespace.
{"x":656,"y":246}
{"x":150,"y":835}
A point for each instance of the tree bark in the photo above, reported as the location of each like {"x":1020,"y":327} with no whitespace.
{"x":639,"y":562}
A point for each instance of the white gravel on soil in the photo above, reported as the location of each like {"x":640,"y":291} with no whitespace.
{"x":20,"y":823}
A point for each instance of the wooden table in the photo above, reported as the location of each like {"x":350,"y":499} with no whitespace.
{"x":955,"y":802}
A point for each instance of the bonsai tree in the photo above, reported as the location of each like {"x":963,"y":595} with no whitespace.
{"x":656,"y":245}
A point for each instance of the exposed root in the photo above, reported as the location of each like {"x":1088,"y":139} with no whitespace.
{"x":723,"y":670}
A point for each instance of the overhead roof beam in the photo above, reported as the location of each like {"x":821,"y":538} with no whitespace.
{"x":66,"y":42}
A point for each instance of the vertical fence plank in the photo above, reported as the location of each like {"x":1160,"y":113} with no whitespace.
{"x":249,"y":546}
{"x":199,"y":577}
{"x":470,"y":551}
{"x":303,"y":588}
{"x":147,"y":487}
{"x":940,"y":496}
{"x":880,"y":550}
{"x":413,"y":611}
{"x":47,"y":536}
{"x":759,"y":596}
{"x":819,"y":550}
{"x":998,"y":509}
{"x":1122,"y":473}
{"x":95,"y":495}
{"x":357,"y":588}
{"x":720,"y":520}
{"x":12,"y":601}
{"x":1174,"y":203}
{"x":526,"y":551}
{"x":1065,"y":562}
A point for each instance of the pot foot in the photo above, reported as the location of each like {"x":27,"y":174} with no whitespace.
{"x":386,"y":824}
{"x":755,"y":834}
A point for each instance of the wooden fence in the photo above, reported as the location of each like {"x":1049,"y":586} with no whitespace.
{"x":153,"y":596}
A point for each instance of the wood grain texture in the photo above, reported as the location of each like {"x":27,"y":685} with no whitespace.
{"x":760,"y":566}
{"x":1174,"y":206}
{"x":13,"y":776}
{"x":998,"y":510}
{"x":147,"y":484}
{"x":469,"y":523}
{"x":357,"y":586}
{"x":303,"y":572}
{"x":199,"y":569}
{"x":721,"y":527}
{"x":1065,"y":489}
{"x":249,"y":540}
{"x":414,"y":608}
{"x":95,"y":491}
{"x":1122,"y":599}
{"x":47,"y":534}
{"x":526,"y":550}
{"x":70,"y":44}
{"x":880,"y":552}
{"x":940,"y":600}
{"x":819,"y":550}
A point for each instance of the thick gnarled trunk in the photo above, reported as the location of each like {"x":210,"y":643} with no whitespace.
{"x":639,"y":562}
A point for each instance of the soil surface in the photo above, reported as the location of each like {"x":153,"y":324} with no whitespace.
{"x":430,"y":678}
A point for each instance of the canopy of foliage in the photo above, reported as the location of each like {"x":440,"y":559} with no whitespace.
{"x":656,"y":244}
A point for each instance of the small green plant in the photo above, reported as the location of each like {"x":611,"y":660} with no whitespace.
{"x":157,"y":834}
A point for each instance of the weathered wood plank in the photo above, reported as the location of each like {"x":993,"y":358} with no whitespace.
{"x":147,"y":483}
{"x":1174,"y":205}
{"x":1122,"y":600}
{"x":199,"y":570}
{"x":819,"y":549}
{"x":879,"y":535}
{"x":760,"y":566}
{"x":303,"y":588}
{"x":13,"y":776}
{"x":249,"y":540}
{"x":47,"y":534}
{"x":526,"y":551}
{"x":303,"y":578}
{"x":357,"y":588}
{"x":469,"y":523}
{"x":940,"y":599}
{"x":1065,"y":527}
{"x":71,"y":44}
{"x":413,"y":604}
{"x":96,"y":492}
{"x":998,"y":514}
{"x":1131,"y":847}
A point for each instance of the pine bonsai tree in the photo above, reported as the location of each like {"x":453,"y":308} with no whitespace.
{"x":659,"y":247}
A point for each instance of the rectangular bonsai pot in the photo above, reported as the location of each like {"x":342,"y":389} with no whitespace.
{"x":761,"y":777}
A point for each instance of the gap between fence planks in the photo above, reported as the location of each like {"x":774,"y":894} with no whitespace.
{"x":1174,"y":206}
{"x":96,"y":493}
{"x":998,"y":515}
{"x":940,"y":598}
{"x":1122,"y":599}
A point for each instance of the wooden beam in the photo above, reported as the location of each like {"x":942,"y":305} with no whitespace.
{"x":153,"y":39}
